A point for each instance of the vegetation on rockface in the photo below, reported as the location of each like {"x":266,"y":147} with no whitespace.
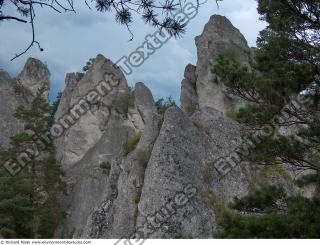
{"x":131,"y":143}
{"x":28,"y":205}
{"x":105,"y":167}
{"x":300,"y":220}
{"x":143,"y":158}
{"x":308,"y":179}
{"x":285,"y":64}
{"x":213,"y":202}
{"x":163,"y":104}
{"x":88,"y":64}
{"x":265,"y":174}
{"x":260,"y":201}
{"x":19,"y":88}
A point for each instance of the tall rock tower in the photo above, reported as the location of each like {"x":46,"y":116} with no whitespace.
{"x":201,"y":87}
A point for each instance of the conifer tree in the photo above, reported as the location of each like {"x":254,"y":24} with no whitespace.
{"x":282,"y":90}
{"x":29,"y":207}
{"x":286,"y":66}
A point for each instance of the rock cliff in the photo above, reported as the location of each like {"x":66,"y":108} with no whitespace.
{"x":19,"y":91}
{"x":131,"y":172}
{"x":201,"y":87}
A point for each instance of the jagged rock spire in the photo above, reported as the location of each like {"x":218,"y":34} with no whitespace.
{"x":219,"y":37}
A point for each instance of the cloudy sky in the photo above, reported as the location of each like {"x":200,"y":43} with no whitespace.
{"x":69,"y":40}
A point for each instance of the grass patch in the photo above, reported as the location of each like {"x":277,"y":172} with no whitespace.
{"x":211,"y":200}
{"x":131,"y":143}
{"x":207,"y":176}
{"x":143,"y":158}
{"x":232,"y":115}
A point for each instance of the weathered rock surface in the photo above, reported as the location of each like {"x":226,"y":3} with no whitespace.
{"x":169,"y":185}
{"x":219,"y":37}
{"x":87,"y":129}
{"x":19,"y":91}
{"x":34,"y":75}
{"x":9,"y":101}
{"x":189,"y":98}
{"x":173,"y":153}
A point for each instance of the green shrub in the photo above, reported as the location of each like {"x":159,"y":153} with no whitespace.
{"x":106,"y":167}
{"x":19,"y":88}
{"x":50,"y":216}
{"x":232,"y":115}
{"x":163,"y":104}
{"x":262,"y":199}
{"x":131,"y":143}
{"x":308,"y":179}
{"x":88,"y":65}
{"x":212,"y":201}
{"x":302,"y":220}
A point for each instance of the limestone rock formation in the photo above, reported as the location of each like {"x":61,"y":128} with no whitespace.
{"x":34,"y":75}
{"x":166,"y":184}
{"x":173,"y":153}
{"x":19,"y":91}
{"x":219,"y":37}
{"x":189,"y":98}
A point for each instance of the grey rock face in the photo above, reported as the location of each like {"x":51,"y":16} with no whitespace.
{"x":169,"y":181}
{"x":34,"y":75}
{"x":133,"y":106}
{"x":9,"y":101}
{"x":123,"y":211}
{"x":19,"y":91}
{"x":92,"y":192}
{"x":142,"y":106}
{"x":219,"y":37}
{"x":88,"y":127}
{"x":174,"y":154}
{"x":144,"y":101}
{"x":189,"y":98}
{"x":109,"y":207}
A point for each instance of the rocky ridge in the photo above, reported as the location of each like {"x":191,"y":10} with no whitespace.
{"x":146,"y":191}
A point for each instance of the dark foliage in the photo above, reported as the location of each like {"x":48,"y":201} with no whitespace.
{"x":300,"y":220}
{"x":28,"y":205}
{"x":163,"y":104}
{"x":260,"y":201}
{"x":286,"y":64}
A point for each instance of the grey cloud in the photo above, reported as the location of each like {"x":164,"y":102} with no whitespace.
{"x":70,"y":40}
